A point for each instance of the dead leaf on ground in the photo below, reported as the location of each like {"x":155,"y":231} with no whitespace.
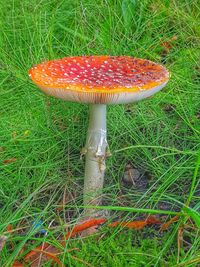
{"x":39,"y":255}
{"x":18,"y":264}
{"x":46,"y":255}
{"x":46,"y":252}
{"x":134,"y":177}
{"x":2,"y":149}
{"x":9,"y":228}
{"x":168,"y":44}
{"x":137,"y":224}
{"x":166,"y":225}
{"x":83,"y":226}
{"x":90,"y":224}
{"x":131,"y":175}
{"x":8,"y":161}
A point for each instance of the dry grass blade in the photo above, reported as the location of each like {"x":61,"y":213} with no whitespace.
{"x":188,"y":263}
{"x":82,"y":261}
{"x":179,"y":242}
{"x":3,"y":239}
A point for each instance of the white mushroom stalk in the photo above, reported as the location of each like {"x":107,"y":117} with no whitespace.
{"x":95,"y":152}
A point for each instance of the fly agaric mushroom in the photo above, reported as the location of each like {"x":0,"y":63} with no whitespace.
{"x":98,"y":80}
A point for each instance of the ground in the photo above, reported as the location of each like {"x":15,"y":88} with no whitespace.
{"x":41,"y":137}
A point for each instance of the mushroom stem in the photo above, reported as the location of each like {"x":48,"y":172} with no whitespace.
{"x":95,"y":151}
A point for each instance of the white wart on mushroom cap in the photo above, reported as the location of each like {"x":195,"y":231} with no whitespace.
{"x":100,"y":79}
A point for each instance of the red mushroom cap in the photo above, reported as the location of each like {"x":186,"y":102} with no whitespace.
{"x":100,"y":79}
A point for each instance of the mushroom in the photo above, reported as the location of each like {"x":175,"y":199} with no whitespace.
{"x":98,"y":80}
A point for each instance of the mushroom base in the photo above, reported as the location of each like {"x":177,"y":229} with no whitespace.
{"x":95,"y":152}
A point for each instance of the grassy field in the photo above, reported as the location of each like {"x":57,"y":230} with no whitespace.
{"x":41,"y":137}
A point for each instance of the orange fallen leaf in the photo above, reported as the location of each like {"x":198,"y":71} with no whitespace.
{"x":48,"y":251}
{"x":137,"y":224}
{"x":167,"y":45}
{"x":8,"y":161}
{"x":83,"y":226}
{"x":17,"y":264}
{"x":174,"y":38}
{"x":94,"y":222}
{"x":9,"y":228}
{"x":34,"y":251}
{"x":41,"y":254}
{"x":166,"y":225}
{"x":51,"y":256}
{"x":130,"y":225}
{"x":153,"y":220}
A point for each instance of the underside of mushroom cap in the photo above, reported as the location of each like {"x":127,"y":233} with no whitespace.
{"x":100,"y":79}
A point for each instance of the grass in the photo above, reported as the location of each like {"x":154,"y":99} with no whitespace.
{"x":42,"y":136}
